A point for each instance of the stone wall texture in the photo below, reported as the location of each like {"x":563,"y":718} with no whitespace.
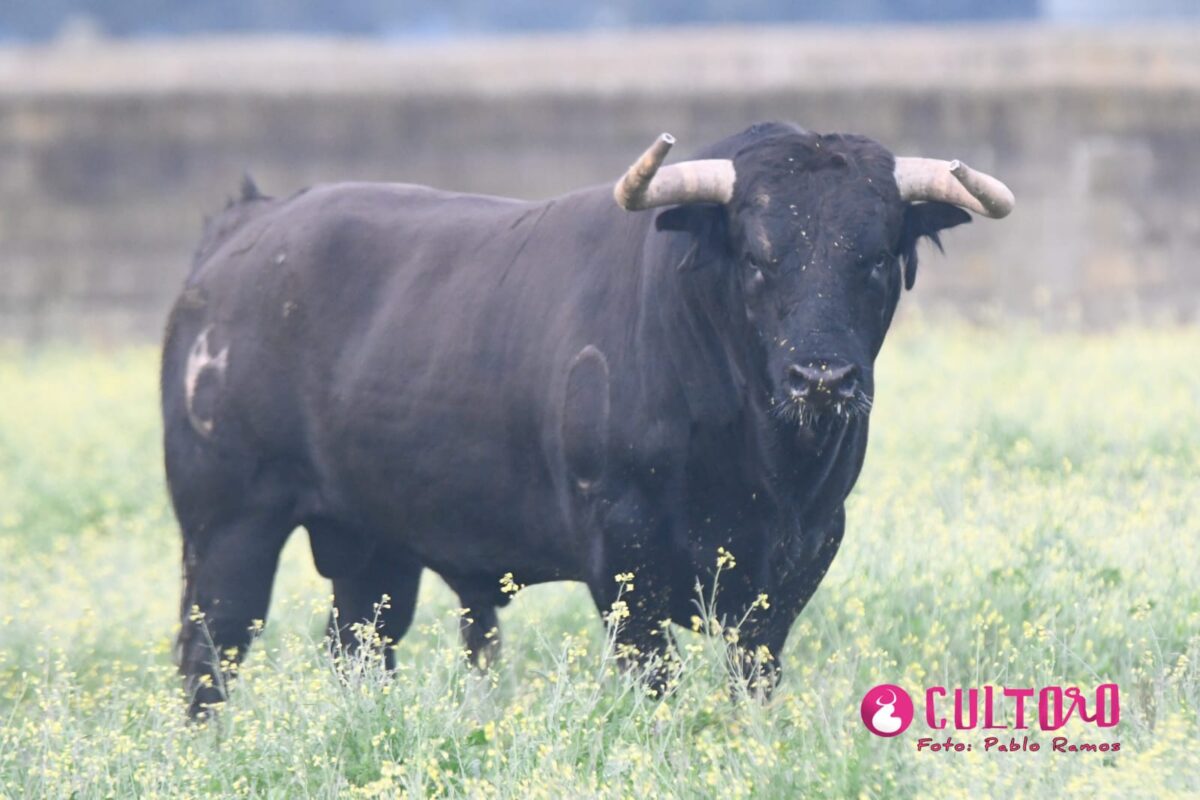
{"x":111,"y":154}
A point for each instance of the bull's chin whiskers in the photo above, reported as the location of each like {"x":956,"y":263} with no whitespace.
{"x":788,"y":412}
{"x":801,"y":414}
{"x":861,"y":403}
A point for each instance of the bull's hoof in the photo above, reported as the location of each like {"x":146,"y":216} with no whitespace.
{"x":203,"y":708}
{"x":205,"y":701}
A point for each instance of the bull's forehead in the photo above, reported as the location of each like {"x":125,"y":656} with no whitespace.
{"x":793,"y":187}
{"x":772,"y":164}
{"x":846,"y":218}
{"x":828,"y":193}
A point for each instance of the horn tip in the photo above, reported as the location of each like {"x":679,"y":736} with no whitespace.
{"x":666,"y":138}
{"x":1000,"y":202}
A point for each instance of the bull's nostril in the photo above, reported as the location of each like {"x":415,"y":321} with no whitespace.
{"x":844,"y":382}
{"x":797,"y":380}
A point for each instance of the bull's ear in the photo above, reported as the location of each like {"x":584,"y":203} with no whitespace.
{"x":704,"y":222}
{"x":698,"y":218}
{"x":925,"y":219}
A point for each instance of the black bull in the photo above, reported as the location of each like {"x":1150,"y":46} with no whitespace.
{"x":560,"y":390}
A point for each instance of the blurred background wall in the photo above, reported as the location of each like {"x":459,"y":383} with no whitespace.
{"x":111,"y":151}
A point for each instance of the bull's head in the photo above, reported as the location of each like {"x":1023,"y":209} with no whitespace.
{"x":824,"y":230}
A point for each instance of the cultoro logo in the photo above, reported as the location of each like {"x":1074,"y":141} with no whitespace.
{"x":887,"y":710}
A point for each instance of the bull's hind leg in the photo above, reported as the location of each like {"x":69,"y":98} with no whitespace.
{"x":478,"y":624}
{"x":229,"y":571}
{"x":374,"y":605}
{"x":480,"y":629}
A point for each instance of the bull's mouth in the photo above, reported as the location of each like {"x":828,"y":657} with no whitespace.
{"x":804,"y":413}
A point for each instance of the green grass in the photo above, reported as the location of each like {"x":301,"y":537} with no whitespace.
{"x":1029,"y":515}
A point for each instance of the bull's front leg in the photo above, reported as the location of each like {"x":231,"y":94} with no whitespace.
{"x":755,"y":657}
{"x":631,"y":587}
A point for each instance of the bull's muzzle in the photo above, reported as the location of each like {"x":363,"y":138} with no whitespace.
{"x":823,"y":383}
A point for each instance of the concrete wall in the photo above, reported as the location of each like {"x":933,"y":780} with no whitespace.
{"x":109,"y":156}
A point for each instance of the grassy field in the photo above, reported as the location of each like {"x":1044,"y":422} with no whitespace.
{"x":1029,"y":515}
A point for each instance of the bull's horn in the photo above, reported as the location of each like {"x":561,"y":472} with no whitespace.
{"x":645,"y":185}
{"x":953,"y":182}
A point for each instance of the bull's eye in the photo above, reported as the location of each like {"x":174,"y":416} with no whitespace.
{"x":879,"y":263}
{"x":755,"y":280}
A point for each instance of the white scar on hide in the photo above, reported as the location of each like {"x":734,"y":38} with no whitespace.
{"x":201,"y":358}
